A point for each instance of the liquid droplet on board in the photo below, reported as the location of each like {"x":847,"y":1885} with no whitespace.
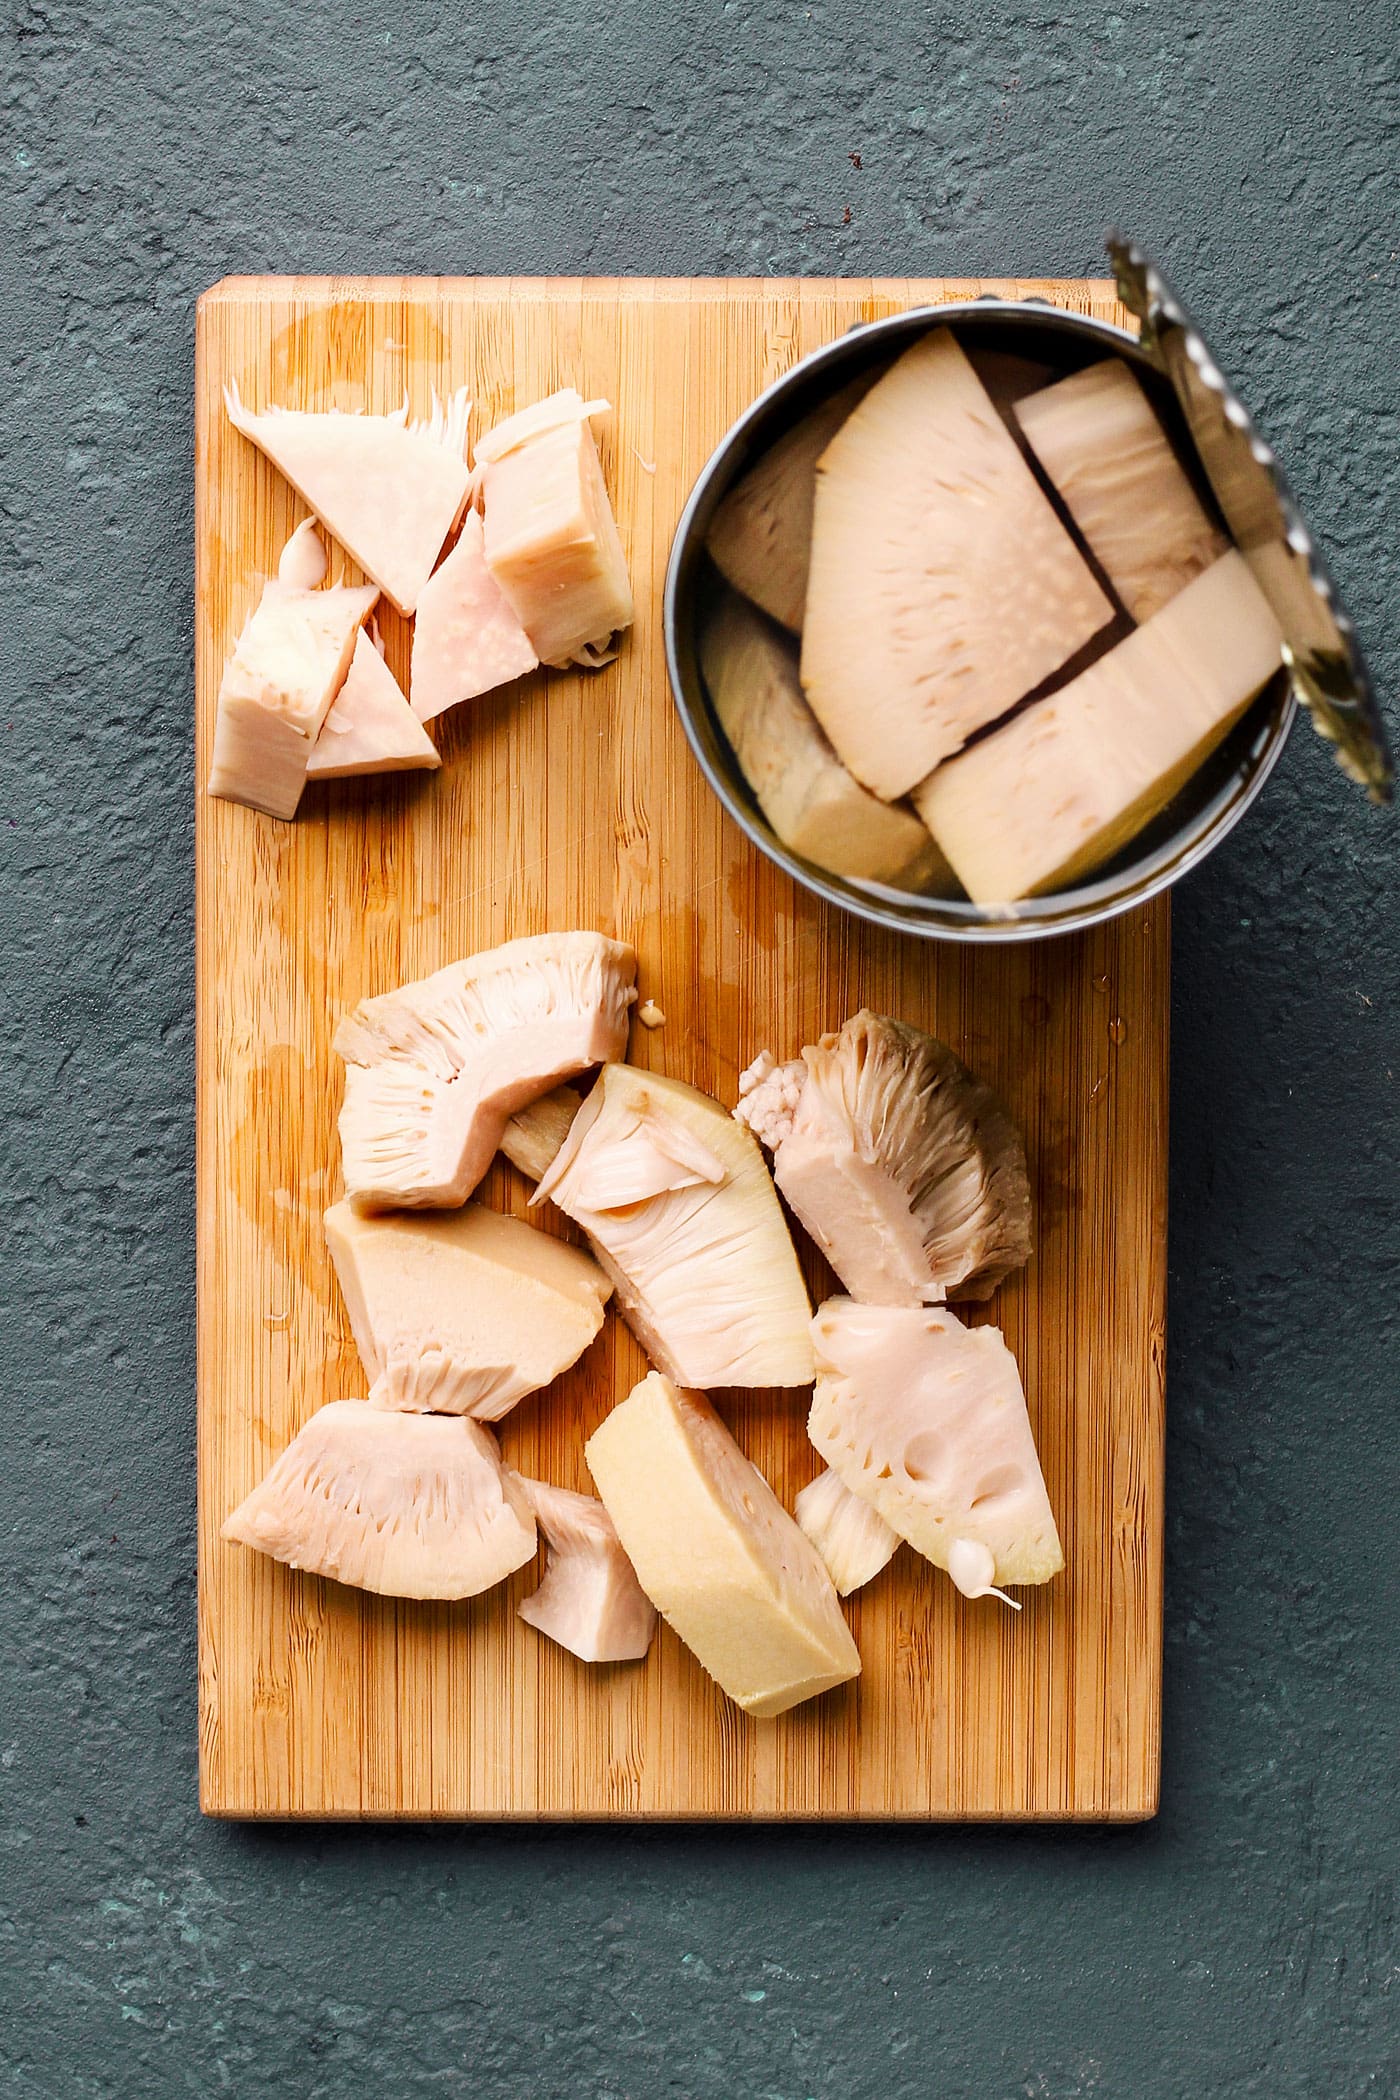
{"x":1117,"y":1029}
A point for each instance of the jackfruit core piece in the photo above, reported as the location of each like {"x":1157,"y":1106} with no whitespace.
{"x":1100,"y":442}
{"x":717,"y":1553}
{"x":463,"y":1313}
{"x":371,"y":727}
{"x":906,"y":1169}
{"x":408,"y":1505}
{"x":680,"y":1210}
{"x":760,"y":538}
{"x":435,"y":1070}
{"x":813,"y":804}
{"x":853,"y":1539}
{"x":943,"y":586}
{"x":1069,"y":782}
{"x":926,"y":1420}
{"x":589,"y":1600}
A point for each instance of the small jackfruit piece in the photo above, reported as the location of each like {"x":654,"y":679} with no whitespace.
{"x":1067,"y":783}
{"x":278,"y":686}
{"x":760,"y":538}
{"x":464,"y":1312}
{"x":389,"y":490}
{"x":853,"y":1539}
{"x":371,"y":727}
{"x":408,"y":1505}
{"x":436,"y":1069}
{"x":906,"y":1170}
{"x":466,"y":639}
{"x":680,"y":1210}
{"x":1099,"y":441}
{"x":552,"y":543}
{"x":534,"y":1134}
{"x":813,"y":804}
{"x":589,"y":1599}
{"x":926,"y":1420}
{"x":717,"y":1553}
{"x":943,"y":587}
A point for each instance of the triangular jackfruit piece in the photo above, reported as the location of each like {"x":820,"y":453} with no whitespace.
{"x":466,"y":639}
{"x":389,"y":490}
{"x":589,"y":1600}
{"x":371,"y":728}
{"x":408,"y":1505}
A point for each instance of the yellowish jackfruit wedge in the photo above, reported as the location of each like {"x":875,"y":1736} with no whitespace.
{"x":435,"y":1070}
{"x":282,"y":678}
{"x":408,"y":1505}
{"x":808,"y":797}
{"x":389,"y":490}
{"x":466,"y":639}
{"x":590,"y":1600}
{"x":906,"y":1170}
{"x":465,"y":1312}
{"x":371,"y":727}
{"x":926,"y":1420}
{"x":853,"y":1539}
{"x":534,"y":1134}
{"x":760,"y":538}
{"x":681,"y":1212}
{"x":717,"y":1553}
{"x":552,"y":543}
{"x":1069,"y":782}
{"x":943,"y":587}
{"x":1098,"y":439}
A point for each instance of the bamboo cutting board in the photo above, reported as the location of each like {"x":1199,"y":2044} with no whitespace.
{"x":572,"y":800}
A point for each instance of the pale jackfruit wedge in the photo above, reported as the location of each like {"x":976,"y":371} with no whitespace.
{"x":1069,"y":782}
{"x":717,"y":1553}
{"x":853,"y":1539}
{"x":408,"y":1505}
{"x":464,"y":1312}
{"x":279,"y":684}
{"x":466,"y":639}
{"x":534,"y":1134}
{"x":808,"y":797}
{"x":926,"y":1420}
{"x":590,"y":1600}
{"x":680,"y":1211}
{"x":1099,"y":441}
{"x":370,"y":728}
{"x":389,"y":490}
{"x":906,"y":1170}
{"x":943,"y":587}
{"x":760,"y":538}
{"x":435,"y":1070}
{"x":552,"y":543}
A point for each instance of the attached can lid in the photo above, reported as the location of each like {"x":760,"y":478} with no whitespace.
{"x":1320,"y":644}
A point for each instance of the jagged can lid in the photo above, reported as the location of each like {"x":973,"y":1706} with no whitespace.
{"x":1320,"y":643}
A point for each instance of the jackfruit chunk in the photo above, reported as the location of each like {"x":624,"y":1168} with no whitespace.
{"x":1069,"y":782}
{"x":408,"y":1505}
{"x":552,"y":543}
{"x":435,"y":1070}
{"x":466,"y":639}
{"x":463,"y":1313}
{"x":680,"y":1211}
{"x":943,"y":587}
{"x":1098,"y":439}
{"x":370,"y":728}
{"x":906,"y":1170}
{"x":589,"y":1600}
{"x":853,"y":1539}
{"x":285,"y":671}
{"x":534,"y":1134}
{"x":926,"y":1420}
{"x":717,"y":1553}
{"x":389,"y":490}
{"x":760,"y":538}
{"x":804,"y":791}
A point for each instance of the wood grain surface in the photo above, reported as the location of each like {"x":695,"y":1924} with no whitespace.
{"x":572,"y":800}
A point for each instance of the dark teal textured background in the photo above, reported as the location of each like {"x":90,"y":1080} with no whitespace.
{"x":1245,"y":1944}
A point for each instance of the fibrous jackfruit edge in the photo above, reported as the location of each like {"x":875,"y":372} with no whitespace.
{"x":589,"y":1600}
{"x":905,"y":1169}
{"x":466,"y":639}
{"x":435,"y":1070}
{"x":853,"y":1539}
{"x":717,"y":1553}
{"x":408,"y":1505}
{"x":371,"y":727}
